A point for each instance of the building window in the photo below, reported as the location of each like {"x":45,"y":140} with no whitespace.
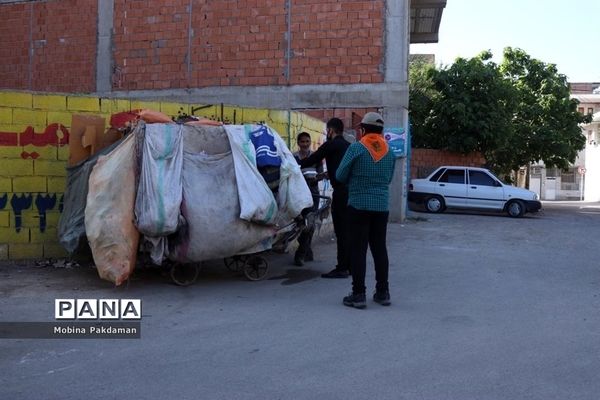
{"x":569,"y":179}
{"x":590,"y":110}
{"x":581,"y":110}
{"x":568,"y":176}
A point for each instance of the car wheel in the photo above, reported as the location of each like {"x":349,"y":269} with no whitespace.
{"x":434,"y":204}
{"x":515,"y":208}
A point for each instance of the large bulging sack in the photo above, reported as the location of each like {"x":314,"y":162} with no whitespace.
{"x":109,"y":215}
{"x":211,"y":204}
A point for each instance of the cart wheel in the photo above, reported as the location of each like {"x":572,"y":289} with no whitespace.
{"x":235,"y":263}
{"x":256,"y":268}
{"x":184,"y":274}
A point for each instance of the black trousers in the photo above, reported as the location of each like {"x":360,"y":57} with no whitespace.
{"x":339,"y":216}
{"x":305,"y":238}
{"x":368,"y":229}
{"x":305,"y":244}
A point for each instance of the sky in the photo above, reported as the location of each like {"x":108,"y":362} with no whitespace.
{"x":561,"y":32}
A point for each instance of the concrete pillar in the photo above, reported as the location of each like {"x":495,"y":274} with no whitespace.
{"x":104,"y":60}
{"x":397,"y":39}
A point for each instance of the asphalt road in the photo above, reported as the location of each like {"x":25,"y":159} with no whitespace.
{"x":484,"y":307}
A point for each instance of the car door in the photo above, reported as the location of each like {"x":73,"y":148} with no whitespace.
{"x":484,"y":191}
{"x":452,"y":186}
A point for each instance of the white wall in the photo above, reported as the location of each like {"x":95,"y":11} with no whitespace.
{"x":592,"y":166}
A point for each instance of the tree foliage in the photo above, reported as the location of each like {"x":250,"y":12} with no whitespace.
{"x":546,"y":118}
{"x":422,"y":98}
{"x":513,"y":113}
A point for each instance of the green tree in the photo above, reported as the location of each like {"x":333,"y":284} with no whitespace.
{"x":474,"y":106}
{"x":546,"y":121}
{"x":422,"y":97}
{"x":514,"y":113}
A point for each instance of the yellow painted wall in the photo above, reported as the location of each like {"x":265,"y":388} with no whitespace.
{"x":33,"y":168}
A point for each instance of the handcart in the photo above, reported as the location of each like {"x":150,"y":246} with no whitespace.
{"x":187,"y":194}
{"x":255,"y":266}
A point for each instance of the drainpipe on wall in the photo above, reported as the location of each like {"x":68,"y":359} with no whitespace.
{"x":288,"y":58}
{"x":104,"y":54}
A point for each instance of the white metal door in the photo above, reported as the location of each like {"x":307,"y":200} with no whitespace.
{"x":484,"y":191}
{"x":535,"y":185}
{"x":452,"y":185}
{"x":550,"y":188}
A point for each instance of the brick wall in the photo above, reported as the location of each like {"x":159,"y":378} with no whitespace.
{"x":34,"y":147}
{"x":424,"y":161}
{"x":48,"y":45}
{"x":230,"y":43}
{"x":337,"y":41}
{"x":14,"y":47}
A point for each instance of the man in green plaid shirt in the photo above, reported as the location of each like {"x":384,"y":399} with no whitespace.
{"x":367,"y":168}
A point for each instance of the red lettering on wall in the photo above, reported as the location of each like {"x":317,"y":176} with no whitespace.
{"x":49,"y":137}
{"x":34,"y":155}
{"x":54,"y":135}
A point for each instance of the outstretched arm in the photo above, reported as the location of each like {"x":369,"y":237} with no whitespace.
{"x":316,"y":157}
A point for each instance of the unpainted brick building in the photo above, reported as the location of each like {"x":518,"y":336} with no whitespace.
{"x":324,"y":57}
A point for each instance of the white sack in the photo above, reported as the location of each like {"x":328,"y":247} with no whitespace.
{"x":159,"y":192}
{"x":211,"y":203}
{"x":257,"y":202}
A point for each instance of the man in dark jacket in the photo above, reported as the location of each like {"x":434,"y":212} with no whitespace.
{"x":333,"y":151}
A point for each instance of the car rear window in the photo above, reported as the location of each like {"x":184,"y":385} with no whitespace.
{"x":453,"y":176}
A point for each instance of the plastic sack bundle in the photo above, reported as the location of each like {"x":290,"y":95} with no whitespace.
{"x":159,"y":191}
{"x":109,"y":215}
{"x":257,"y":202}
{"x":263,"y":139}
{"x":211,"y":203}
{"x":71,"y":226}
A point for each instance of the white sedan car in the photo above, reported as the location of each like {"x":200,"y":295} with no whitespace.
{"x":471,"y":188}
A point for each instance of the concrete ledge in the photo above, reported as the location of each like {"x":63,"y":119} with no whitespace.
{"x":281,"y":97}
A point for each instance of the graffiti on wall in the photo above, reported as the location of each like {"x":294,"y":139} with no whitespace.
{"x":54,"y":135}
{"x":44,"y":202}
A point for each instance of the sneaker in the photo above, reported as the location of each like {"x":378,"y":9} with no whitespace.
{"x":382,"y":298}
{"x":356,"y":300}
{"x":336,"y":274}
